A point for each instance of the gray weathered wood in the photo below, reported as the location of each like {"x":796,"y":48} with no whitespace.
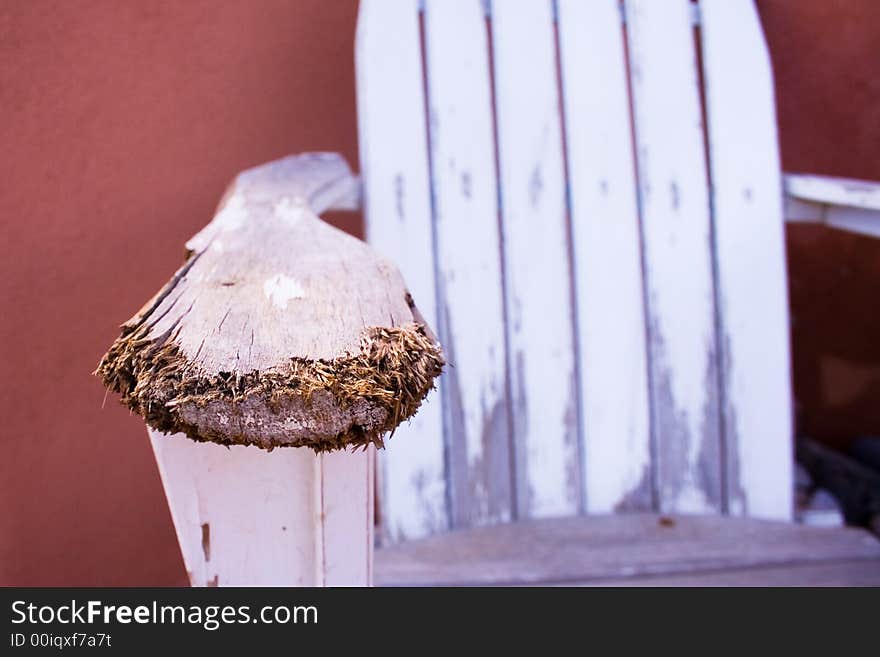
{"x":616,"y":546}
{"x":294,"y":283}
{"x":272,"y":332}
{"x":846,"y":572}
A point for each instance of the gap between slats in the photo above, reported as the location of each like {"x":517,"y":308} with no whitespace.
{"x":569,"y":238}
{"x":713,"y":240}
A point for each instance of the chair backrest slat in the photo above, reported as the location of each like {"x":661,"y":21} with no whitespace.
{"x":750,"y":259}
{"x":674,"y":200}
{"x":394,"y":164}
{"x":608,"y":272}
{"x":537,"y":271}
{"x":465,"y":190}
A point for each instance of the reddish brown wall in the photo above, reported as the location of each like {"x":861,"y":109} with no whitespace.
{"x":121,"y":124}
{"x":825,"y":57}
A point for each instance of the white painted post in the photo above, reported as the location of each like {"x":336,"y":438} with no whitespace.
{"x":248,"y":517}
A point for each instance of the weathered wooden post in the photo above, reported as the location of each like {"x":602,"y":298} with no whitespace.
{"x":278,"y":331}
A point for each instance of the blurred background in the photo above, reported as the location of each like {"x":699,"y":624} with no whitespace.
{"x":123,"y":122}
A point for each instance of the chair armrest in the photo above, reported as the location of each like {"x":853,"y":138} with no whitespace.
{"x":852,"y":205}
{"x":347,"y":195}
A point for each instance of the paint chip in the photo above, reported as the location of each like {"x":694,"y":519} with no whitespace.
{"x":280,"y":289}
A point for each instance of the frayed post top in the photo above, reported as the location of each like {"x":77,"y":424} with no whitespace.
{"x":278,"y":330}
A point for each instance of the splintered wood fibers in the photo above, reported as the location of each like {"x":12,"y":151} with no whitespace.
{"x":290,"y":405}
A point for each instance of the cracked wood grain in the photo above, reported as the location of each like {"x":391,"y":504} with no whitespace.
{"x":279,"y":330}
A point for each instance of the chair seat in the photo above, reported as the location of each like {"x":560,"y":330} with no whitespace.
{"x":636,"y":549}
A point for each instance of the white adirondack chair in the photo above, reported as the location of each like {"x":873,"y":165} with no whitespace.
{"x":604,"y":258}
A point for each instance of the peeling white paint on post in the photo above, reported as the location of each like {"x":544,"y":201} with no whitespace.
{"x":750,"y":251}
{"x":605,"y":232}
{"x":469,"y":253}
{"x":538,"y":294}
{"x":276,"y":531}
{"x":678,"y":266}
{"x":394,"y":161}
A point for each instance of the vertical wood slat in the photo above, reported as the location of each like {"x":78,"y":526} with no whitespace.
{"x":538,"y":292}
{"x":607,"y":255}
{"x":750,"y":251}
{"x":247,"y":517}
{"x":394,"y":162}
{"x":677,"y":254}
{"x":468,"y":252}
